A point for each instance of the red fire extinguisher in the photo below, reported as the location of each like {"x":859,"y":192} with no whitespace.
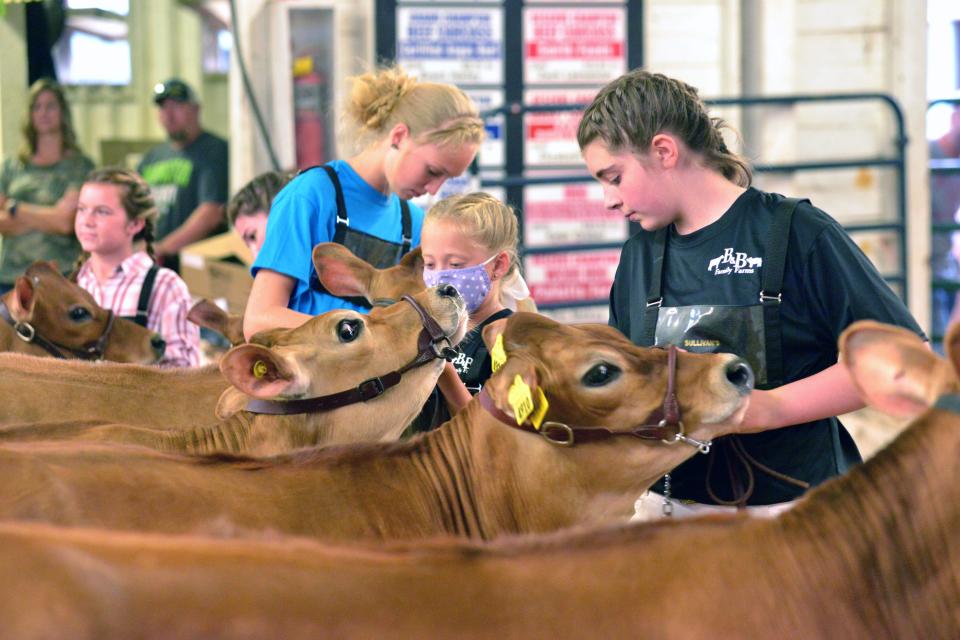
{"x":310,"y":134}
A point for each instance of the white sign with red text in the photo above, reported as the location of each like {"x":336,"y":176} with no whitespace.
{"x":574,"y":276}
{"x":578,"y":315}
{"x":569,"y":214}
{"x":573,"y":46}
{"x":550,"y":137}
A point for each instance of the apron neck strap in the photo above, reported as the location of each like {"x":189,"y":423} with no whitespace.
{"x":655,"y":293}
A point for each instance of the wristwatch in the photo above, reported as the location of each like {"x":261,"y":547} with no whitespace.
{"x":12,"y":207}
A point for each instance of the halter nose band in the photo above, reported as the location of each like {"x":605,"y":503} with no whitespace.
{"x":428,"y":349}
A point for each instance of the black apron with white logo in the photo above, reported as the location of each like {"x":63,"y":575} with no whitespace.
{"x":376,"y":251}
{"x":750,"y":331}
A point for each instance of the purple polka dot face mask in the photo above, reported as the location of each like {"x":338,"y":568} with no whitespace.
{"x":473,"y":283}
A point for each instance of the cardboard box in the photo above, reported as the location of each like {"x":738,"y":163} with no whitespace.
{"x":218,"y":268}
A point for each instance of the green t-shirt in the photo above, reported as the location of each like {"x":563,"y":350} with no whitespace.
{"x":44,"y":186}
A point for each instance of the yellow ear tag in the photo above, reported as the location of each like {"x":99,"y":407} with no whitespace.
{"x":542,"y":405}
{"x":260,"y":369}
{"x":498,"y":356}
{"x":520,"y":399}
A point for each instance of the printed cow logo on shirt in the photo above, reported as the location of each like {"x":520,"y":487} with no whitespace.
{"x":462,"y":363}
{"x":734,"y":262}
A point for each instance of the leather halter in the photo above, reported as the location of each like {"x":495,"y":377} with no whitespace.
{"x":25,"y":331}
{"x":662,"y":424}
{"x":428,"y":344}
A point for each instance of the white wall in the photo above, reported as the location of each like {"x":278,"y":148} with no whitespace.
{"x":268,"y":60}
{"x":164,"y":42}
{"x":13,"y":78}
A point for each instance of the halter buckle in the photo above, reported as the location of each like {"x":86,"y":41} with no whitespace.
{"x":566,"y":432}
{"x":370,"y":389}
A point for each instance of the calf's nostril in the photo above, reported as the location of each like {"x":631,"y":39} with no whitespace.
{"x":740,"y":375}
{"x":448,"y":290}
{"x":158,"y":343}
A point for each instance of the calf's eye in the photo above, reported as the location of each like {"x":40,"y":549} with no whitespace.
{"x":601,"y":374}
{"x":79,"y":314}
{"x":349,"y":330}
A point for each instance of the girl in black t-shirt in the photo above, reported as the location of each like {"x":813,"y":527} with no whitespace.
{"x":470,"y":241}
{"x":721,"y":266}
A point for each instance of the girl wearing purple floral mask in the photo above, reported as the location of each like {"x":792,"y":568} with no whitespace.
{"x":470,"y":241}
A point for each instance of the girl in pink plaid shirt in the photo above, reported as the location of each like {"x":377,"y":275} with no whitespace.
{"x":114,"y":224}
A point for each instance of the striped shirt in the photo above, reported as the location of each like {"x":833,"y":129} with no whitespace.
{"x":166,"y":313}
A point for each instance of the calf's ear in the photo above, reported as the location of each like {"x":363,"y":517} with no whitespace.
{"x":413,"y":262}
{"x":892,"y":368}
{"x":341,"y":272}
{"x":208,"y":315}
{"x":258,"y":372}
{"x":952,"y":344}
{"x":491,"y":331}
{"x":22,"y":300}
{"x":509,"y":383}
{"x":231,"y":401}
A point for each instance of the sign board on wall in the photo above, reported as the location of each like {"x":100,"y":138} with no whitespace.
{"x":550,"y":137}
{"x":574,"y":46}
{"x":569,"y":214}
{"x":492,"y":149}
{"x":569,"y":315}
{"x":569,"y":50}
{"x":458,"y":45}
{"x":571,"y":276}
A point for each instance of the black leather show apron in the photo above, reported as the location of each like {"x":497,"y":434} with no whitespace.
{"x":376,"y":251}
{"x":752,"y":332}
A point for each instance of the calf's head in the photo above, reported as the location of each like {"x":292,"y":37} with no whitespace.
{"x":338,"y":350}
{"x":592,"y":376}
{"x":47,"y":307}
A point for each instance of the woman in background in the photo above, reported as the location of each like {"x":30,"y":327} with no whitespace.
{"x":39,"y":187}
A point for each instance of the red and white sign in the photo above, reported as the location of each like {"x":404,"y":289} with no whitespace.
{"x":576,"y":315}
{"x":550,"y":138}
{"x":574,"y":46}
{"x":569,"y":214}
{"x":573,"y":276}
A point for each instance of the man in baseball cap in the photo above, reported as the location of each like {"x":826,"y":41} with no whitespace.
{"x":173,"y":89}
{"x":187,"y":174}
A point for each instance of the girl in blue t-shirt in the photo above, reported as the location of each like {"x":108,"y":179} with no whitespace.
{"x":412,"y":136}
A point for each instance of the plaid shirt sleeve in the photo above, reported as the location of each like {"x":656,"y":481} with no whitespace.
{"x":168,"y":317}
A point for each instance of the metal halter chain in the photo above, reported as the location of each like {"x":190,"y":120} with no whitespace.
{"x":667,"y":504}
{"x":26,"y":332}
{"x":429,"y":349}
{"x":662,"y":424}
